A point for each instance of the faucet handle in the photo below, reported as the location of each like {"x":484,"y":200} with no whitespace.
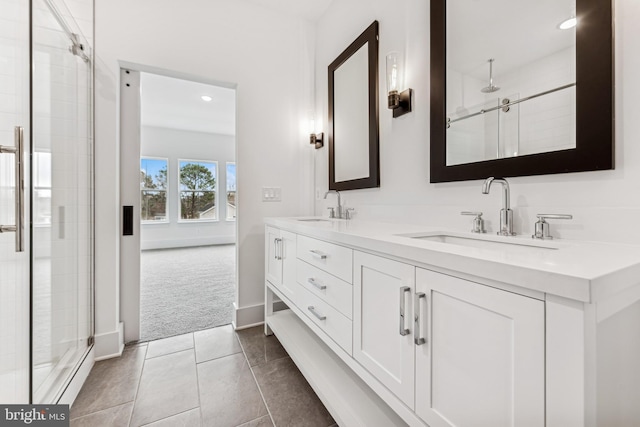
{"x":348,"y":213}
{"x":541,"y":230}
{"x":478,"y":222}
{"x":332,"y":212}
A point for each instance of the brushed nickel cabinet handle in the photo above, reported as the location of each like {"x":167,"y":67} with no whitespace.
{"x":313,"y":311}
{"x":313,"y":282}
{"x":318,"y":254}
{"x":403,"y":298}
{"x":418,"y":339}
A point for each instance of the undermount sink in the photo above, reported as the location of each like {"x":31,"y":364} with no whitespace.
{"x":486,"y":242}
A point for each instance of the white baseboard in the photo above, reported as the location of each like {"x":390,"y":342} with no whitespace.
{"x":184,"y":243}
{"x":253,"y":315}
{"x":72,"y":390}
{"x":243,"y":317}
{"x":110,"y":344}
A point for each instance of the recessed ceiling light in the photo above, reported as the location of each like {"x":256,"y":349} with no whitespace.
{"x":569,"y":23}
{"x":206,"y":98}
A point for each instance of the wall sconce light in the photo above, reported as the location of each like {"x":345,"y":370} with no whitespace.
{"x":316,"y":139}
{"x":399,"y":102}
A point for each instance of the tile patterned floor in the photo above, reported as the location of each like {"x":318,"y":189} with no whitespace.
{"x":216,"y":377}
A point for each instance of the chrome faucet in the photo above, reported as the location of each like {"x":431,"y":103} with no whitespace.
{"x":338,"y":209}
{"x":506,"y":214}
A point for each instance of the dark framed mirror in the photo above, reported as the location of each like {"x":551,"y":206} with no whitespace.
{"x":353,"y":115}
{"x":516,"y":90}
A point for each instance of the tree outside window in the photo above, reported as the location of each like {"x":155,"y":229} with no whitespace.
{"x":231,"y":191}
{"x":198,"y":190}
{"x":153,"y":189}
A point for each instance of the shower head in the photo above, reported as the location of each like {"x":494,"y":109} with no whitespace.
{"x":491,"y":88}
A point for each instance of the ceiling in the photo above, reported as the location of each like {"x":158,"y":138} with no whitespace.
{"x":310,"y":10}
{"x":177,"y":104}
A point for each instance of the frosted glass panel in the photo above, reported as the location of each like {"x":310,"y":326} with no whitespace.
{"x":62,"y":200}
{"x":14,"y":266}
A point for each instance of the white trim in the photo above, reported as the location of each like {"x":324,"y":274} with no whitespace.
{"x":246,"y":316}
{"x":185,"y":243}
{"x":252,"y":315}
{"x":72,"y":390}
{"x":110,"y":344}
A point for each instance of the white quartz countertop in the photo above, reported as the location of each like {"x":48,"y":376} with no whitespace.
{"x":579,"y":270}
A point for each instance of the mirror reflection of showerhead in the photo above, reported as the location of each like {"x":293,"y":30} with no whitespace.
{"x":491,"y":88}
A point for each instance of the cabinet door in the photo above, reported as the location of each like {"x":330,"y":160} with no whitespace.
{"x":483,"y":360}
{"x":288,"y":259}
{"x":382,"y":322}
{"x":272,"y":251}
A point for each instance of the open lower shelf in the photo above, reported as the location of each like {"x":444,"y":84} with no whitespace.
{"x":347,"y":397}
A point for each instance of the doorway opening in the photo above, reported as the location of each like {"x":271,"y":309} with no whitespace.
{"x":187,"y":206}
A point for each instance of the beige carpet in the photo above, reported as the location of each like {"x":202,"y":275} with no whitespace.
{"x":185,"y":290}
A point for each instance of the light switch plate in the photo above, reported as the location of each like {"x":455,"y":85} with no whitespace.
{"x":271,"y":194}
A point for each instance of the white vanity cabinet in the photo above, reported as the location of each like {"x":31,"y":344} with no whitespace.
{"x":457,"y":352}
{"x":480,"y":354}
{"x":383,"y":321}
{"x":394,"y":331}
{"x":280,"y":260}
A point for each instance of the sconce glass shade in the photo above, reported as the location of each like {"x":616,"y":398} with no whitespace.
{"x":399,"y":102}
{"x":394,"y":72}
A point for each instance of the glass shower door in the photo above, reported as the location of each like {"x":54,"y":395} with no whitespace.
{"x":62,"y":211}
{"x":14,"y":264}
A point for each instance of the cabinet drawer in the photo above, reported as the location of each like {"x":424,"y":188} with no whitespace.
{"x":330,"y":320}
{"x":336,"y":292}
{"x":331,"y":258}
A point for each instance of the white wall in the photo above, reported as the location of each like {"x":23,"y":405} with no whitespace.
{"x":267,"y":56}
{"x":175,"y":145}
{"x":605,"y":205}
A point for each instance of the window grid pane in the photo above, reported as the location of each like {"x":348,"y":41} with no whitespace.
{"x":198,"y":185}
{"x":231,"y":191}
{"x":153,"y":189}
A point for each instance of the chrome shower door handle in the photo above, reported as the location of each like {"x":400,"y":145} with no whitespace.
{"x":403,"y":298}
{"x":418,"y":339}
{"x":18,"y":151}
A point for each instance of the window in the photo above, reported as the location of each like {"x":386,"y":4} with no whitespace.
{"x":153,"y":190}
{"x":198,"y":181}
{"x":231,"y":191}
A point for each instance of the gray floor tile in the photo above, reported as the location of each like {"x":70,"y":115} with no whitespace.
{"x":190,"y":418}
{"x":260,"y":348}
{"x":117,"y":416}
{"x":290,"y":399}
{"x":111,"y":382}
{"x":217,"y":342}
{"x":229,"y":395}
{"x":260,"y":422}
{"x":169,"y":345}
{"x":168,"y":387}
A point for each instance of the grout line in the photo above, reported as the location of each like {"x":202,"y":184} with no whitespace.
{"x":101,"y":410}
{"x":144,"y":362}
{"x":197,"y":381}
{"x":174,"y":415}
{"x":256,"y":381}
